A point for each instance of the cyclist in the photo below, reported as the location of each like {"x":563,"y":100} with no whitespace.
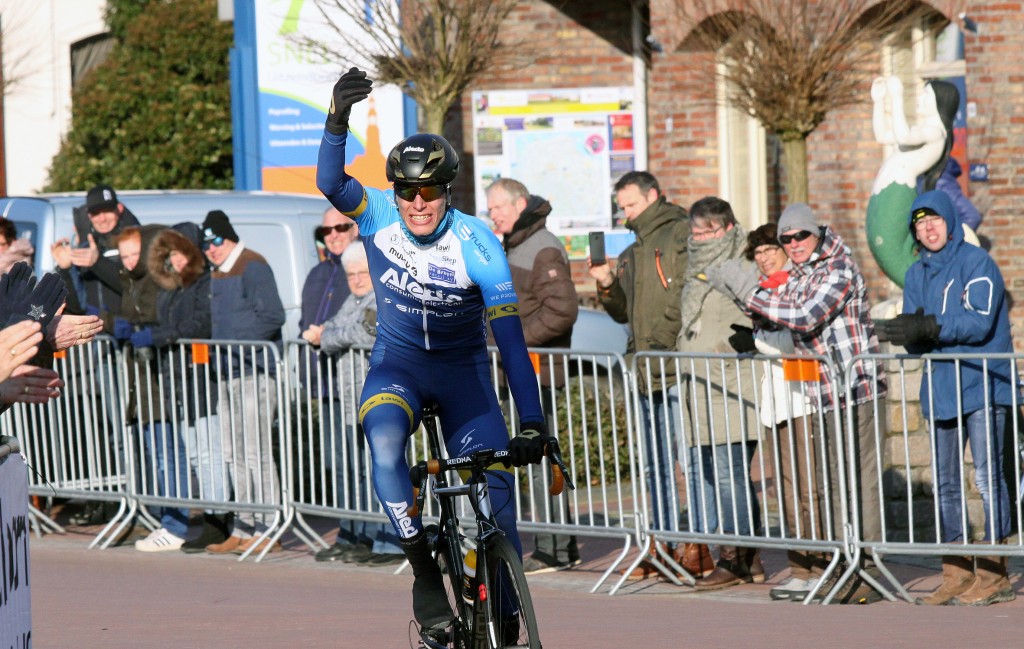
{"x":436,"y":273}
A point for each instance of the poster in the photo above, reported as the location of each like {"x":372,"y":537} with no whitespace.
{"x":295,"y":86}
{"x":568,"y":145}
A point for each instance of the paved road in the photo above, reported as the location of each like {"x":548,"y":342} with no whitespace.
{"x":122,"y":598}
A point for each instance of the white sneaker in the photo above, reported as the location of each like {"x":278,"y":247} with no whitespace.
{"x":159,"y":540}
{"x":792,"y":588}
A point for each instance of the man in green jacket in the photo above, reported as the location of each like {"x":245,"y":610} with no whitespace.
{"x":644,"y":292}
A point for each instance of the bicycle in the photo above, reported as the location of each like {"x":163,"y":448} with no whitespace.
{"x":499,"y":582}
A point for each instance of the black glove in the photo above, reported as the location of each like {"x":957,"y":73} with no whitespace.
{"x":528,"y":446}
{"x":743,"y":340}
{"x":42,"y":303}
{"x":909,"y":329}
{"x":15,"y":286}
{"x":351,"y":88}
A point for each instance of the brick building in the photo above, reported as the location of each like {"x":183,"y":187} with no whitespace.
{"x":696,"y":147}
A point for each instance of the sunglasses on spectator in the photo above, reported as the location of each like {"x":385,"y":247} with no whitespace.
{"x":785,"y":239}
{"x":216,"y":241}
{"x":429,"y":193}
{"x":324,"y":230}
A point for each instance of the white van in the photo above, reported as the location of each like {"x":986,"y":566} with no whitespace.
{"x":278,"y":226}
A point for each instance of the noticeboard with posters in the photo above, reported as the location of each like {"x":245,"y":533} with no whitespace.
{"x":568,"y":145}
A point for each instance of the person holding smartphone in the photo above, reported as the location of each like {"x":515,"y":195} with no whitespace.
{"x":643,"y":290}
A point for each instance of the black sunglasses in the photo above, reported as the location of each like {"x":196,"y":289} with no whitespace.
{"x":799,"y":236}
{"x":323,"y":230}
{"x":216,"y":241}
{"x":429,"y":193}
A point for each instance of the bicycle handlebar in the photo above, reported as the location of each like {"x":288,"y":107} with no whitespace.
{"x":479,"y":461}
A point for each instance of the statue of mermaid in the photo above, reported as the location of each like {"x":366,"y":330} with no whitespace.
{"x":921,"y":150}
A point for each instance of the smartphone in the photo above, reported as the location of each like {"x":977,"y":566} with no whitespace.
{"x":597,"y":257}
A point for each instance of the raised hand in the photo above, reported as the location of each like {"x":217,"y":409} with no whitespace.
{"x":351,"y":88}
{"x":31,"y":384}
{"x":42,"y":304}
{"x":18,"y":344}
{"x":86,"y":257}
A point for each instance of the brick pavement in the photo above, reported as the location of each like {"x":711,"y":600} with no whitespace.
{"x":122,"y":598}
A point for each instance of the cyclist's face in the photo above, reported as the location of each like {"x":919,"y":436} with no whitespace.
{"x":420,"y":216}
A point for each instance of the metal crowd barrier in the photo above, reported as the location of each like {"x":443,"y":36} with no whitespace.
{"x":585,"y":395}
{"x":75,"y":444}
{"x":696,"y":403}
{"x":92,"y":444}
{"x":910,"y":518}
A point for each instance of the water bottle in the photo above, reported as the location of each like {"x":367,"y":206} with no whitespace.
{"x":469,"y":576}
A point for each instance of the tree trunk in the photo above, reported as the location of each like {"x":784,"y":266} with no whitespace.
{"x":794,"y":158}
{"x":433,"y":117}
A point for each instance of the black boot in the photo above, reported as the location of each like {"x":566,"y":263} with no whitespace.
{"x":216,"y":529}
{"x":429,"y":598}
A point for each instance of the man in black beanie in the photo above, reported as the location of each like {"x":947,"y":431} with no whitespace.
{"x":244,"y":305}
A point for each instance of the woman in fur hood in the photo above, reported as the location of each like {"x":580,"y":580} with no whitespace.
{"x":179,"y":268}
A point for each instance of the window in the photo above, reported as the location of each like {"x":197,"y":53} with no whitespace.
{"x":742,"y":162}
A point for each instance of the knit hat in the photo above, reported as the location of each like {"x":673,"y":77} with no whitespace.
{"x":798,"y":216}
{"x":217,"y":224}
{"x":101,"y":198}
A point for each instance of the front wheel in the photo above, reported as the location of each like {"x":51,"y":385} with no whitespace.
{"x":510,"y":616}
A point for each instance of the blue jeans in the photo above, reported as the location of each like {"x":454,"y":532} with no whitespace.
{"x":168,"y":461}
{"x":660,"y":440}
{"x":987,"y":437}
{"x":727,"y":467}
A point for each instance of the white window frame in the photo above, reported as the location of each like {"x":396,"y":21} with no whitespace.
{"x":738,"y":174}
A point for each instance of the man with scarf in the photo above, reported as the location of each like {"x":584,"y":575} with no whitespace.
{"x":722,"y":436}
{"x":548,"y":308}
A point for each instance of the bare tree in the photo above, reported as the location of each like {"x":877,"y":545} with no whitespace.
{"x":788,"y":63}
{"x":21,"y":57}
{"x":432,"y":49}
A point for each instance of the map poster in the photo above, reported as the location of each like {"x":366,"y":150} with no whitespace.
{"x":295,"y":86}
{"x":568,"y":145}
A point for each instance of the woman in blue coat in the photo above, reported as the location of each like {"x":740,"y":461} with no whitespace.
{"x":954,"y":302}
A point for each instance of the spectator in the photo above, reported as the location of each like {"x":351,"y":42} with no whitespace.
{"x":356,"y":324}
{"x":245,"y":305}
{"x":548,"y":307}
{"x":13,"y":249}
{"x":785,"y":412}
{"x":93,"y":267}
{"x":165,"y":471}
{"x":322,"y":296}
{"x":183,"y":311}
{"x":722,"y":437}
{"x":954,"y":302}
{"x":825,"y":307}
{"x":644,"y":292}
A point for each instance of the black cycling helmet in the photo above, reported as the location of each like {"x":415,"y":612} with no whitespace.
{"x":421,"y":160}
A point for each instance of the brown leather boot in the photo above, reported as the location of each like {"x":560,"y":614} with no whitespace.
{"x":754,"y":565}
{"x":730,"y":571}
{"x":957,"y":577}
{"x":695,"y":558}
{"x":228,"y":546}
{"x":991,"y":584}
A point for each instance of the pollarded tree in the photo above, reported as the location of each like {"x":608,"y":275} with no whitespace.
{"x":157,"y":112}
{"x":432,"y":49}
{"x":788,"y":63}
